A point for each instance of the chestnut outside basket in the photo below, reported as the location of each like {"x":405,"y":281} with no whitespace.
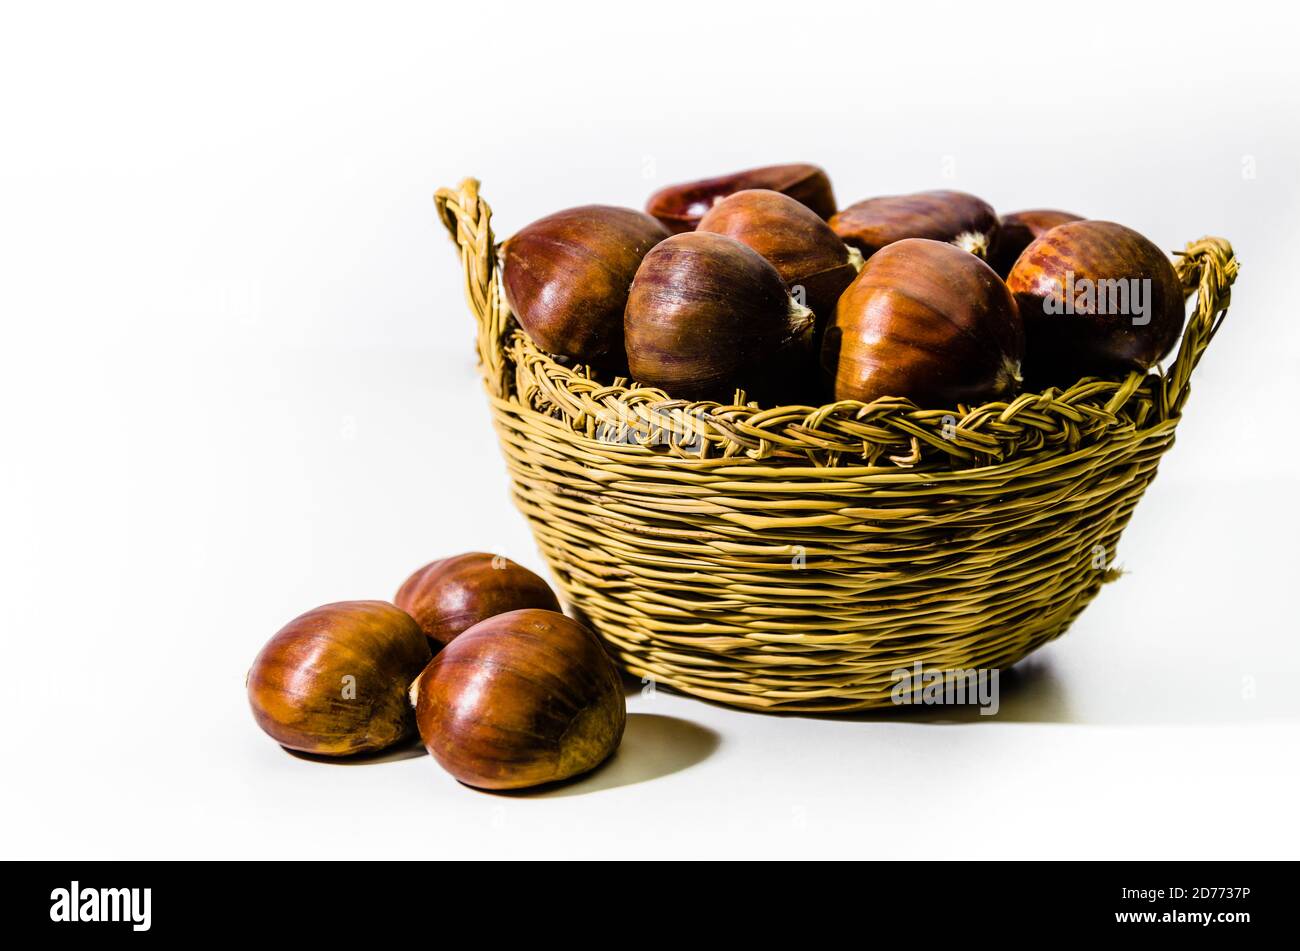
{"x":793,"y":558}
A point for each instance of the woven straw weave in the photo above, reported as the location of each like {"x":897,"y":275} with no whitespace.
{"x":793,"y":558}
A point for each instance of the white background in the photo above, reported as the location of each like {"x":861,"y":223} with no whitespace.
{"x":237,"y":381}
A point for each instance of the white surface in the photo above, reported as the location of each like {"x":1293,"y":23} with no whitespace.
{"x":233,"y":333}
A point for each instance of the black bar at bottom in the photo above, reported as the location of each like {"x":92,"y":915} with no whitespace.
{"x":837,"y":901}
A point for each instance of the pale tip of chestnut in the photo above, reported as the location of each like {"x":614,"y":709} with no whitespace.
{"x":974,"y":242}
{"x":413,"y":693}
{"x":801,"y":318}
{"x":856,"y":260}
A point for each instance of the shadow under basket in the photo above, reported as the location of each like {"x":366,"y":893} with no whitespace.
{"x":793,"y":558}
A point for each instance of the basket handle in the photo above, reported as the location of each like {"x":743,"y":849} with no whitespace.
{"x":468,"y":218}
{"x":1208,"y":267}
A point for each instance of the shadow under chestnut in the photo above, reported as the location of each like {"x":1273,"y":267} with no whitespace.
{"x":408,"y":749}
{"x":653,"y":746}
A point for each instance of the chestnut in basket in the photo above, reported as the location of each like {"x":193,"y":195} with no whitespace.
{"x":1097,"y":299}
{"x":807,"y":254}
{"x":520,"y":699}
{"x":333,"y":681}
{"x":566,"y":278}
{"x":1017,"y":230}
{"x":964,"y":220}
{"x":446,"y":597}
{"x":708,"y":314}
{"x":680,"y":207}
{"x":927,"y":321}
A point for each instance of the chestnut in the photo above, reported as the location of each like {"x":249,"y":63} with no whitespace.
{"x":1017,"y":229}
{"x":707,"y":314}
{"x":446,"y":597}
{"x":1097,"y":299}
{"x":927,"y":321}
{"x":802,"y":247}
{"x":680,"y":207}
{"x":333,"y":681}
{"x":961,"y":219}
{"x":566,"y":277}
{"x":523,"y":698}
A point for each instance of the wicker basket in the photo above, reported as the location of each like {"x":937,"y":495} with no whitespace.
{"x":793,"y":558}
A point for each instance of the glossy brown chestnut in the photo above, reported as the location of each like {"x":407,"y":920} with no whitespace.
{"x":1017,"y":230}
{"x":680,"y":207}
{"x":566,"y":278}
{"x":956,"y":217}
{"x":333,"y":681}
{"x":926,"y":321}
{"x":814,"y":263}
{"x":708,"y":314}
{"x":451,"y":595}
{"x":1097,"y":299}
{"x":520,"y":699}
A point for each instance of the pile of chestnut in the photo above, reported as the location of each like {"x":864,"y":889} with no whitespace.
{"x":504,"y":690}
{"x":756,"y":281}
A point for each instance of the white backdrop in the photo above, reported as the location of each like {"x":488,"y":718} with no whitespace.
{"x":238,"y":382}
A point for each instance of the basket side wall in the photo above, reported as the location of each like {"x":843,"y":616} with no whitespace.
{"x":806,"y":594}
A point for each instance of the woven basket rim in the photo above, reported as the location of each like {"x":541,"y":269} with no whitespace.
{"x":794,"y":468}
{"x":875,"y":439}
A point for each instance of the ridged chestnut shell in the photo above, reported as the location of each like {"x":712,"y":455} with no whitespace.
{"x":955,"y":217}
{"x":566,"y":278}
{"x":708,"y":314}
{"x":1017,"y":230}
{"x":520,"y":699}
{"x":929,"y":322}
{"x":449,"y":596}
{"x":680,"y":207}
{"x":333,"y":681}
{"x":801,"y":246}
{"x":1098,"y":339}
